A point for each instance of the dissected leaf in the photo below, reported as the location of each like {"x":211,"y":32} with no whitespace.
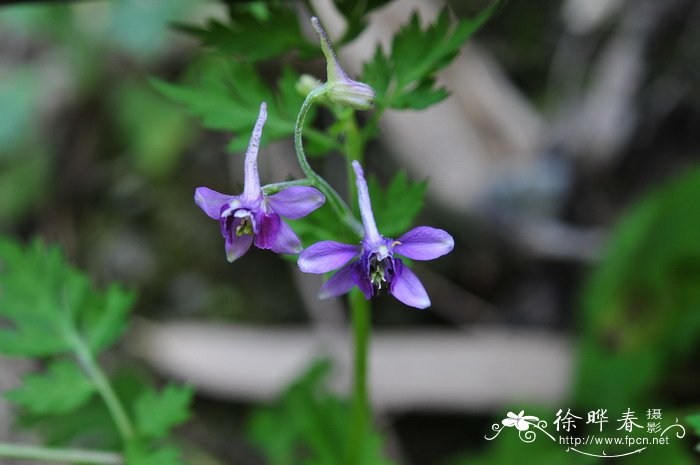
{"x":62,"y":388}
{"x":396,"y":207}
{"x":422,"y":96}
{"x":157,"y":413}
{"x":107,"y":320}
{"x":90,"y":424}
{"x":48,"y":302}
{"x":254,"y":32}
{"x":405,"y":78}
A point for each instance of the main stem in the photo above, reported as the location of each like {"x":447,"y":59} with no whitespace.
{"x":361,"y":324}
{"x":49,"y":454}
{"x":340,"y":208}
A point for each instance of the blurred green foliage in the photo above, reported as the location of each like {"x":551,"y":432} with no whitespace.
{"x":153,"y":129}
{"x":226,"y":95}
{"x":308,"y":426}
{"x":641,"y":324}
{"x":694,"y":422}
{"x":397,"y":206}
{"x":641,"y":307}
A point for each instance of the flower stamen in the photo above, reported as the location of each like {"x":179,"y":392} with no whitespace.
{"x":245,"y":228}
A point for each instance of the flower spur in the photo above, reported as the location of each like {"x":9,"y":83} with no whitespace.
{"x":371,"y":265}
{"x":253,"y":217}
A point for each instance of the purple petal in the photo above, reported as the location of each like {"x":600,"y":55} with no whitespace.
{"x":424,"y":243}
{"x":360,"y":278}
{"x":287,"y":241}
{"x":371,"y":232}
{"x":338,"y":284}
{"x":407,"y":287}
{"x":326,"y":256}
{"x":267,"y":226}
{"x":251,"y":187}
{"x":237,"y":246}
{"x":296,"y":202}
{"x":211,"y":201}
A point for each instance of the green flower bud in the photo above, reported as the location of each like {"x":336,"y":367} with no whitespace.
{"x":340,"y":88}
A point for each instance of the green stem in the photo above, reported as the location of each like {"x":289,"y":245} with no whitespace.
{"x":354,"y":150}
{"x":48,"y":454}
{"x":340,"y":208}
{"x":270,"y":189}
{"x":104,"y":388}
{"x":361,"y":324}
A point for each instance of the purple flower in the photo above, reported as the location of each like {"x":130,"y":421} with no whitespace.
{"x":253,"y":217}
{"x":371,"y":265}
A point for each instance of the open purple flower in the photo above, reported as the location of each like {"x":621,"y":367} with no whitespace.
{"x":371,"y":265}
{"x":253,"y":217}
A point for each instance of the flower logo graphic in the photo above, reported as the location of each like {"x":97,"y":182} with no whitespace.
{"x":520,"y":421}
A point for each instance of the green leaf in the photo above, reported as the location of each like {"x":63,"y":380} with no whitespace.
{"x":422,"y":96}
{"x":397,"y":207}
{"x":226,"y":95}
{"x":107,"y":322}
{"x":63,"y":388}
{"x":254,"y":33}
{"x":405,"y":79}
{"x":49,"y":303}
{"x":157,"y":413}
{"x":91,"y":423}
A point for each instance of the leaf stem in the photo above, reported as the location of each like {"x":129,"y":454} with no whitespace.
{"x":270,"y":189}
{"x":49,"y":454}
{"x":361,"y":323}
{"x":340,"y":208}
{"x":104,"y":388}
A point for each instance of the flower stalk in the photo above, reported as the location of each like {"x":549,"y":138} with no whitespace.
{"x":50,"y":454}
{"x":340,"y":208}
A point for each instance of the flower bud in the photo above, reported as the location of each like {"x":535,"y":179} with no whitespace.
{"x":354,"y":94}
{"x":340,"y":88}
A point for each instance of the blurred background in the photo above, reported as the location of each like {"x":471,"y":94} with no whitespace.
{"x":565,"y":163}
